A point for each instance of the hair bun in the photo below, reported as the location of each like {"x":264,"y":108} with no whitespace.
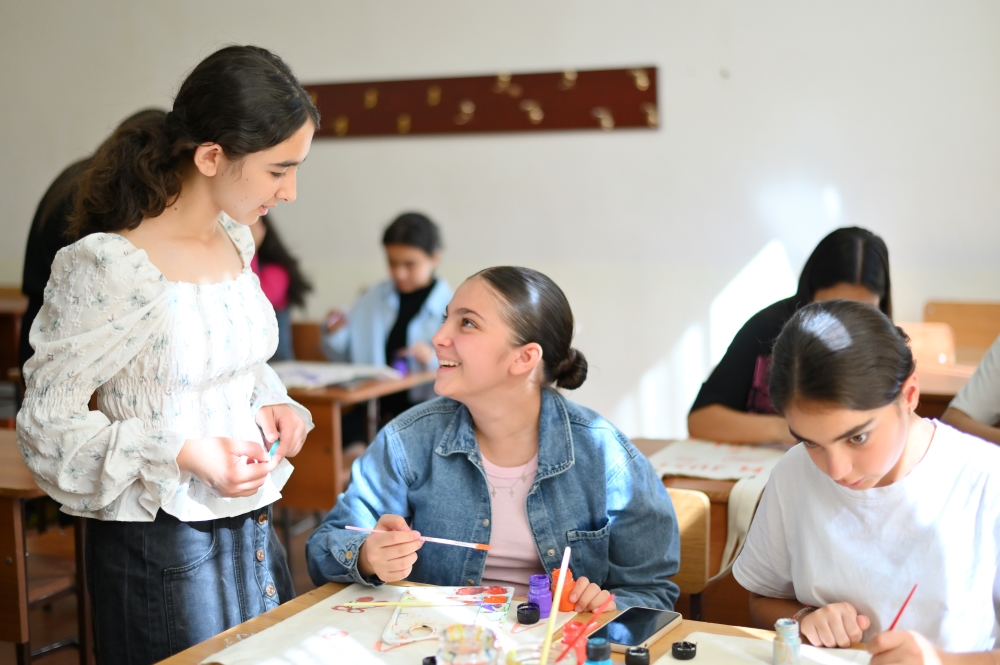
{"x":572,"y":371}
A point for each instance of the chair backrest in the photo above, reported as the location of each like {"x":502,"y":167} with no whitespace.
{"x":975,"y":325}
{"x":694,"y":522}
{"x":932,"y":343}
{"x":306,"y":341}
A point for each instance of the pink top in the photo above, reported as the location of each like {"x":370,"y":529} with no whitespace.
{"x":274,"y":281}
{"x":512,"y":557}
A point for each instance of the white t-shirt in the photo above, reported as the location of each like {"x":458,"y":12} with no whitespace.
{"x":980,"y":397}
{"x":820,"y":543}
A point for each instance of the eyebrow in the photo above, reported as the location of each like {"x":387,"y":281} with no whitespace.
{"x":287,"y":163}
{"x":463,"y":310}
{"x":846,"y":435}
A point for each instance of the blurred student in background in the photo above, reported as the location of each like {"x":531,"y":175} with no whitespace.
{"x":976,"y":407}
{"x":394,"y":321}
{"x":280,"y":279}
{"x":734,"y":405}
{"x":48,"y":235}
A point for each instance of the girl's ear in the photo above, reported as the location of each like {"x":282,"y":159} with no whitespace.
{"x":208,"y":159}
{"x":527,"y":359}
{"x":910,"y":393}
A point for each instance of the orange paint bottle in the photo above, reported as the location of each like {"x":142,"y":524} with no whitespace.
{"x":564,"y":604}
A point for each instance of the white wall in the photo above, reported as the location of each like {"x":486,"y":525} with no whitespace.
{"x":780,"y":120}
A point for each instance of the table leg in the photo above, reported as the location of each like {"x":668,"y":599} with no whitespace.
{"x":338,"y":450}
{"x":13,"y":579}
{"x":373,"y":416}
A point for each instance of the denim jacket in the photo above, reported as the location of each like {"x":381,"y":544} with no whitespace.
{"x":593,"y":492}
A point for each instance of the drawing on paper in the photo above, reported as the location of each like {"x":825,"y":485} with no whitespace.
{"x":481,"y":606}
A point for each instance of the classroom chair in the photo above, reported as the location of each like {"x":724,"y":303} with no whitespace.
{"x":932,"y":344}
{"x":306,"y":341}
{"x":975,"y":326}
{"x":694,"y":523}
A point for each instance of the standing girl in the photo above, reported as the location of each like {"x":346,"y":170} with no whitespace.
{"x":158,"y":312}
{"x":874,"y":500}
{"x":504,"y":459}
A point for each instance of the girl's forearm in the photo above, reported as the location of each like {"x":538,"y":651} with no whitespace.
{"x":764,"y":611}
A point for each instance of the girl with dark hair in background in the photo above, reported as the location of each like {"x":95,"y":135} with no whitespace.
{"x":733,"y":404}
{"x":504,"y":459}
{"x":281,"y":280}
{"x":393,"y":322}
{"x":155,"y":308}
{"x":874,"y":500}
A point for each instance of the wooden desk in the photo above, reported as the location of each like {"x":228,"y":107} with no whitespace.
{"x":16,"y":486}
{"x":199,"y":652}
{"x":938,"y":386}
{"x":319,"y":476}
{"x":724,"y":601}
{"x":12,"y":307}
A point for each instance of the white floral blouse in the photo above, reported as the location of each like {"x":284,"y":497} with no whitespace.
{"x":170,"y":361}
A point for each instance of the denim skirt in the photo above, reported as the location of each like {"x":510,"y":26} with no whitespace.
{"x":160,"y":587}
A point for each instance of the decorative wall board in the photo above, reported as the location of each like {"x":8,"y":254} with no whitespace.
{"x":603,"y":99}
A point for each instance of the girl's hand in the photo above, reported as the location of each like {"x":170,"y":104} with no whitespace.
{"x":231,"y":467}
{"x":903,"y":647}
{"x":281,"y":421}
{"x":421,"y":352}
{"x":335,"y":320}
{"x":389,"y":556}
{"x":588,"y":596}
{"x":836,"y":625}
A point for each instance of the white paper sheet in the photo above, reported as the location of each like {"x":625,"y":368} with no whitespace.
{"x":306,"y":374}
{"x":328,"y":632}
{"x":727,"y":650}
{"x":718,"y":461}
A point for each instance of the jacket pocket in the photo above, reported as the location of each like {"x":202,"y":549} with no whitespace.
{"x":590,"y":553}
{"x":195,"y":593}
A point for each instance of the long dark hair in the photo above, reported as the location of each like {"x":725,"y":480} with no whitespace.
{"x":849,"y":255}
{"x":536,"y":310}
{"x":272,"y":250}
{"x":244,"y":98}
{"x":839,"y":352}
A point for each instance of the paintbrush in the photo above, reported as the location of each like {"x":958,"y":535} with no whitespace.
{"x":551,"y":626}
{"x":589,"y":627}
{"x":419,"y":603}
{"x":905,"y":603}
{"x":428,"y":539}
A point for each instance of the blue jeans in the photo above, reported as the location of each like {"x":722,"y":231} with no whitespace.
{"x":160,"y":587}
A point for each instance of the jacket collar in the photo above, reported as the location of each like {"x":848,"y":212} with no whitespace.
{"x":555,"y":439}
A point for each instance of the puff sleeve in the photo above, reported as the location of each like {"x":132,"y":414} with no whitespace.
{"x":104,"y":303}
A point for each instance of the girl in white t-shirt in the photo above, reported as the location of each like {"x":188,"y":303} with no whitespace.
{"x":874,"y":500}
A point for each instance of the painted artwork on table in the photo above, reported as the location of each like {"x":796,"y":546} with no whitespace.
{"x":481,"y":606}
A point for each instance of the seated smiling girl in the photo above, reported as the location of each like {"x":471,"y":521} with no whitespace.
{"x":874,"y":500}
{"x":504,"y":459}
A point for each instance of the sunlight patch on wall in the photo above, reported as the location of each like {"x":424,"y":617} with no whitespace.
{"x":658,"y":408}
{"x":766,"y":279}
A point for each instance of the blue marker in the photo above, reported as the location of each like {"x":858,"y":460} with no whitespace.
{"x":274,"y":448}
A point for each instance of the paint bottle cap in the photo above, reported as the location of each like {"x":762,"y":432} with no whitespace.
{"x":684,"y":650}
{"x":637,"y":656}
{"x":598,"y":649}
{"x":429,"y":660}
{"x":528,"y":614}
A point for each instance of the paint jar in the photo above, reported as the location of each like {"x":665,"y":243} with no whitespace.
{"x":563,"y":603}
{"x":401,"y":366}
{"x":467,"y":645}
{"x":540,"y":594}
{"x":531,"y":654}
{"x":571,"y":631}
{"x":787,"y":643}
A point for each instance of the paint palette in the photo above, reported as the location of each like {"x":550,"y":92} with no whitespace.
{"x":479,"y":605}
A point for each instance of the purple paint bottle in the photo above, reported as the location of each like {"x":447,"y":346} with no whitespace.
{"x":538,"y":592}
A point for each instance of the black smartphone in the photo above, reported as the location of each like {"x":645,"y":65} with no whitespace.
{"x":638,"y":627}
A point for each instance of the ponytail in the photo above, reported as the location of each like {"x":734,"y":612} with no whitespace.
{"x":243,"y":98}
